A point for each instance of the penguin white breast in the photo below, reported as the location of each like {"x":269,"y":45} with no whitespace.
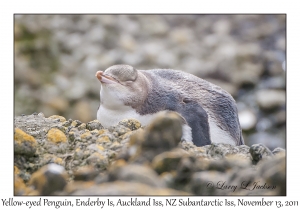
{"x":109,"y":117}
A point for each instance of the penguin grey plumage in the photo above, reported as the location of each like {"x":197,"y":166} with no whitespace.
{"x":210,"y":112}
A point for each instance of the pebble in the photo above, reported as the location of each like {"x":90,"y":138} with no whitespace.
{"x":135,"y":173}
{"x":24,"y":144}
{"x":95,"y":124}
{"x":56,"y":136}
{"x":49,"y":179}
{"x":269,"y":99}
{"x":60,"y":118}
{"x":247,"y":119}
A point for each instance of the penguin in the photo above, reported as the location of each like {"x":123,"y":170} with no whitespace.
{"x":209,"y":111}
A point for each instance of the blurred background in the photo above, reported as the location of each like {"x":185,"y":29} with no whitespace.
{"x":57,"y":56}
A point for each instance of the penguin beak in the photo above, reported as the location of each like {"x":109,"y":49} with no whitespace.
{"x":105,"y":78}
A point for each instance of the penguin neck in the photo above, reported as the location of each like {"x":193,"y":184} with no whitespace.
{"x":110,"y":99}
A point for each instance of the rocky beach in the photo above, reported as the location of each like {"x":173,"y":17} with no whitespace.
{"x":55,"y":156}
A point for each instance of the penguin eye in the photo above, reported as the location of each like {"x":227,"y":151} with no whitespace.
{"x":129,"y":82}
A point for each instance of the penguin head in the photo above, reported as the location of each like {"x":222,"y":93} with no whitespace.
{"x":121,"y":82}
{"x":122,"y":73}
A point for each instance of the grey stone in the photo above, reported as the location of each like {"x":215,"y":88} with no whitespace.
{"x":95,"y":124}
{"x":49,"y":179}
{"x":269,"y":99}
{"x":126,"y":188}
{"x":136,"y":173}
{"x":259,"y":151}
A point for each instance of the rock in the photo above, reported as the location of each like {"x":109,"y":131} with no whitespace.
{"x":181,"y":36}
{"x":58,"y":103}
{"x":262,"y":125}
{"x":126,"y":188}
{"x":126,"y":136}
{"x":67,"y":123}
{"x":207,"y":183}
{"x":278,"y":150}
{"x":222,"y":27}
{"x":73,"y":135}
{"x":270,"y":140}
{"x":21,"y":189}
{"x":247,"y":119}
{"x":75,"y":186}
{"x":184,"y":171}
{"x":270,"y":99}
{"x":106,"y":138}
{"x":168,"y":161}
{"x":95,"y":124}
{"x":280,"y":118}
{"x":76,"y":123}
{"x":248,"y":75}
{"x":86,"y":136}
{"x":120,"y":130}
{"x":274,"y":172}
{"x":78,"y":154}
{"x":238,"y":161}
{"x":132,"y":124}
{"x":244,"y":179}
{"x":56,"y":136}
{"x":49,"y":179}
{"x":135,"y":173}
{"x":221,"y":150}
{"x":259,"y":151}
{"x":16,"y":170}
{"x":85,"y":173}
{"x":60,"y":127}
{"x":162,"y":134}
{"x":35,"y":125}
{"x":24,"y":144}
{"x":82,"y":110}
{"x":115,"y":146}
{"x":82,"y":127}
{"x":50,"y":158}
{"x":61,"y":119}
{"x":98,"y":161}
{"x":276,"y":82}
{"x":226,"y":165}
{"x":96,"y":148}
{"x":41,"y":114}
{"x":56,"y":141}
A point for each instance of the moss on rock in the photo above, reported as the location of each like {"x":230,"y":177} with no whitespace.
{"x":61,"y":118}
{"x":56,"y":136}
{"x":24,"y":144}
